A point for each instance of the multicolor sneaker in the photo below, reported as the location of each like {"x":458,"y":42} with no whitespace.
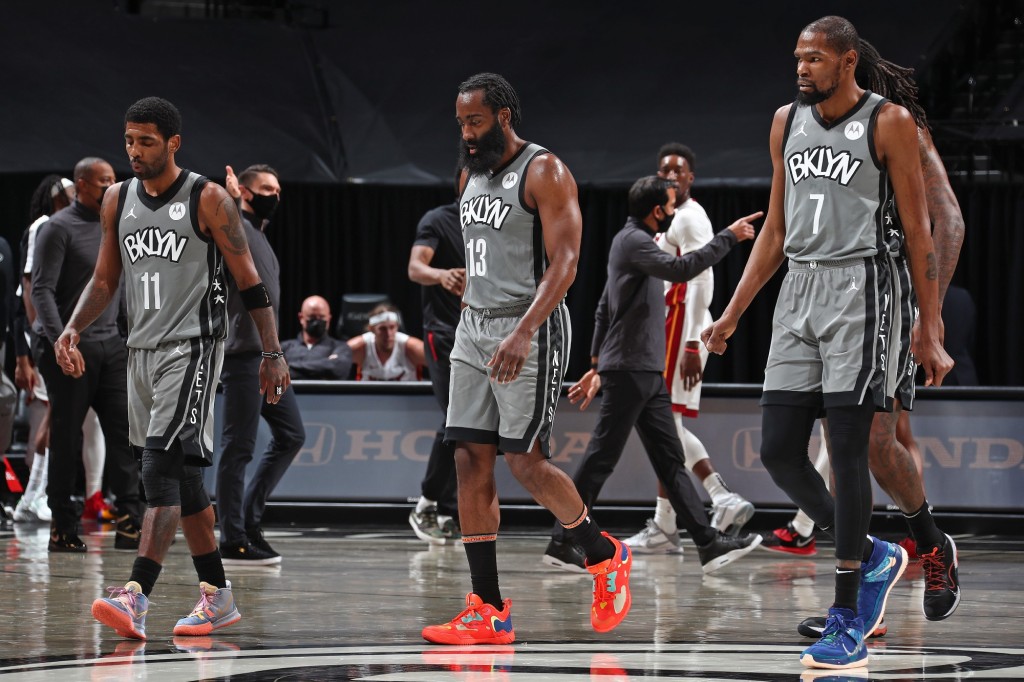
{"x":426,"y":526}
{"x":789,"y":541}
{"x":612,"y":596}
{"x":731,"y":514}
{"x":124,"y":610}
{"x":841,"y":644}
{"x":653,"y":540}
{"x":214,"y":610}
{"x":878,"y":575}
{"x":941,"y":581}
{"x":814,"y":626}
{"x":479,"y":623}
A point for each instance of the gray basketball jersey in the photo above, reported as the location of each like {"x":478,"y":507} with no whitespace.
{"x":502,"y":237}
{"x":172,"y":270}
{"x":835,"y":185}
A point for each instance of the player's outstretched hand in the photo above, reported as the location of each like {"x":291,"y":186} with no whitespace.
{"x":231,"y":183}
{"x":585,"y":389}
{"x":715,"y":336}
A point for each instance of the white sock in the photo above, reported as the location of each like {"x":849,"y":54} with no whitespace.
{"x":802,"y":524}
{"x":94,"y":453}
{"x":665,"y":515}
{"x":36,"y":479}
{"x":716,"y":487}
{"x":423,"y":504}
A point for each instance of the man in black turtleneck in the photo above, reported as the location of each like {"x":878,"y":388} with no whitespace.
{"x":240,"y":510}
{"x":66,"y":249}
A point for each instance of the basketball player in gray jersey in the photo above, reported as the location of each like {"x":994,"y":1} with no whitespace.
{"x":521,"y":229}
{"x":838,"y":154}
{"x":167,"y":231}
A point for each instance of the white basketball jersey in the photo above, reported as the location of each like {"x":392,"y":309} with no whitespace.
{"x":396,"y":368}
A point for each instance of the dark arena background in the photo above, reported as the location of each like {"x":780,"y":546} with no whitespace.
{"x":353,"y":103}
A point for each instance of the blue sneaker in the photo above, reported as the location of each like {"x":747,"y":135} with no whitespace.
{"x":124,"y":610}
{"x":215,"y":609}
{"x":877,"y":577}
{"x":841,"y":644}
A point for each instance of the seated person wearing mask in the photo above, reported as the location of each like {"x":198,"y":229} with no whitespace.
{"x":315,"y":354}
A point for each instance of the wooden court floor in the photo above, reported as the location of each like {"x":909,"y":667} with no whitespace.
{"x":349,"y":605}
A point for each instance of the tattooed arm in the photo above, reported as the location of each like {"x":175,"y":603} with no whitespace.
{"x":100,"y":290}
{"x":218,"y":218}
{"x":943,"y":210}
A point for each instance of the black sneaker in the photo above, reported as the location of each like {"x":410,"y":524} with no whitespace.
{"x":127,"y":533}
{"x":814,"y":627}
{"x":725,"y":549}
{"x":941,"y":582}
{"x":66,"y":542}
{"x":246,"y":554}
{"x":257,"y":540}
{"x":566,"y":556}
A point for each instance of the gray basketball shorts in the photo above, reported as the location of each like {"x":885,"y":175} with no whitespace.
{"x":831,"y":335}
{"x":171,"y":390}
{"x":512,"y":416}
{"x":906,"y":315}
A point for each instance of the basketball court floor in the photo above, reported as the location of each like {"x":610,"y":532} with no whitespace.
{"x":349,"y":605}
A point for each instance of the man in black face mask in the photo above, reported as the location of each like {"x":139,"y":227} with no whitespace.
{"x":628,"y":360}
{"x":315,"y":354}
{"x":240,"y":510}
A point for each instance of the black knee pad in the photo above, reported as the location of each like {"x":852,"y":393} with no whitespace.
{"x":194,"y":497}
{"x":161,"y":477}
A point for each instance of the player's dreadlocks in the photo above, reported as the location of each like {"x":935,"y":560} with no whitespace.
{"x":498,"y":94}
{"x":889,"y":80}
{"x":42,"y":198}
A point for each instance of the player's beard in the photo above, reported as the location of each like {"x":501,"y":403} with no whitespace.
{"x":816,"y":96}
{"x":150,"y":171}
{"x":490,"y":147}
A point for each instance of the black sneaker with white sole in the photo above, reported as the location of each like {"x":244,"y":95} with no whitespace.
{"x":246,"y":554}
{"x":725,"y":549}
{"x":256,"y":539}
{"x":566,"y":556}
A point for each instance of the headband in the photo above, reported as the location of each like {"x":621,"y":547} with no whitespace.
{"x":386,"y":316}
{"x":59,"y":187}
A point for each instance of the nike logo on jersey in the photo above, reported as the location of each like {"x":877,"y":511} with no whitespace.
{"x":823,"y":162}
{"x":152,"y":241}
{"x":483,"y":210}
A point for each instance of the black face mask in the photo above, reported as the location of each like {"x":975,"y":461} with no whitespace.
{"x":263,"y":205}
{"x":665,"y":222}
{"x":316,"y":328}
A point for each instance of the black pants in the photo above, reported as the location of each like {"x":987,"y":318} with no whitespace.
{"x":440,"y":482}
{"x":785,"y":431}
{"x":239,"y":508}
{"x":104,"y":388}
{"x":640,"y":399}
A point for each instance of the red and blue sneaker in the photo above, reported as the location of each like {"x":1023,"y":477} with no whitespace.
{"x":612,"y":596}
{"x":479,"y":623}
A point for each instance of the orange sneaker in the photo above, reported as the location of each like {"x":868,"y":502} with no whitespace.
{"x":612,"y":597}
{"x":479,"y":623}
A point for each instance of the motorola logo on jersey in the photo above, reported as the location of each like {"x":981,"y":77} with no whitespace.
{"x":510,"y":180}
{"x":483,"y":210}
{"x":154,"y":242}
{"x":823,"y":162}
{"x":176,"y":210}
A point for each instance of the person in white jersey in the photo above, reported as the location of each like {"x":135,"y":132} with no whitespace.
{"x":385,"y":354}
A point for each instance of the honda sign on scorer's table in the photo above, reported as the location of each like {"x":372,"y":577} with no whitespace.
{"x":363,"y":446}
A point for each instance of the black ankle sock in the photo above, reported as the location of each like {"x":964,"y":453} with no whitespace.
{"x":847,"y":586}
{"x":145,"y":572}
{"x":210,"y":569}
{"x":482,"y":552}
{"x":585,"y":532}
{"x":923,"y":529}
